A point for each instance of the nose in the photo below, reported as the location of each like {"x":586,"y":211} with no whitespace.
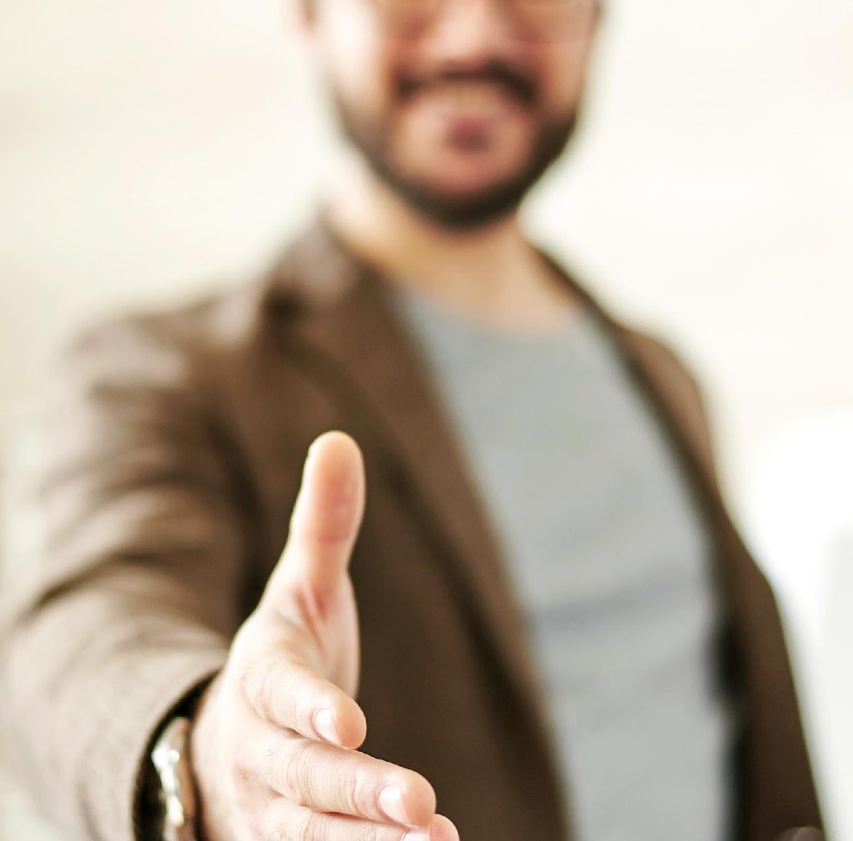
{"x":466,"y":30}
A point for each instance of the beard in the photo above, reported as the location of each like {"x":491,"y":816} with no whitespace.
{"x":372,"y":135}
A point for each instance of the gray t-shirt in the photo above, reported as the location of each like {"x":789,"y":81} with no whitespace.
{"x":610,"y":560}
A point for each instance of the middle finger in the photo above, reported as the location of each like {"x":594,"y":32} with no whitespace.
{"x":328,"y":778}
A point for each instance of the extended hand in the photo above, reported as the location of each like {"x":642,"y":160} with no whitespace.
{"x":273,"y":745}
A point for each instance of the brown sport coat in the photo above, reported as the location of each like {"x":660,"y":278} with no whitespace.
{"x":173,"y":448}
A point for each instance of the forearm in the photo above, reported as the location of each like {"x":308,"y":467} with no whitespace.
{"x":88,"y":679}
{"x":139,"y":551}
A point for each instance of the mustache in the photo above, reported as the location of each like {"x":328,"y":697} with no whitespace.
{"x":514,"y":80}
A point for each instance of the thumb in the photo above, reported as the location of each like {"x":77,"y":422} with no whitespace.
{"x":327,"y":513}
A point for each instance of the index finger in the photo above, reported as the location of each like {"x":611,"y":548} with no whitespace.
{"x":288,"y":694}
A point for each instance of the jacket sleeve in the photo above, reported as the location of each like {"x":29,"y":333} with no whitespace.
{"x":137,"y":545}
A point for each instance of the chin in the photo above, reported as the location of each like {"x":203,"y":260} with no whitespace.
{"x":466,"y":170}
{"x":463,"y":189}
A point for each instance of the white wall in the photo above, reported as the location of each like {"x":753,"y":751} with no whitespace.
{"x":148,"y":148}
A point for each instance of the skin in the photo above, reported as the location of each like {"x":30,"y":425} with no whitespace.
{"x":276,"y":735}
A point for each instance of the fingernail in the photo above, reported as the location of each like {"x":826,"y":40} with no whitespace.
{"x":391,"y":802}
{"x":324,"y":724}
{"x":416,"y":835}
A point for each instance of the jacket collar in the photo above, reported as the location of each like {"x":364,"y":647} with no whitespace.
{"x":319,"y":274}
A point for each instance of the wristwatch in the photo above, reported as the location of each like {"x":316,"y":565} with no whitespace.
{"x":170,"y":757}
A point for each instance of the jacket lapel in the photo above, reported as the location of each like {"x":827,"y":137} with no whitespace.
{"x":404,"y":428}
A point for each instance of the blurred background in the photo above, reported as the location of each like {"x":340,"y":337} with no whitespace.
{"x":149,"y":151}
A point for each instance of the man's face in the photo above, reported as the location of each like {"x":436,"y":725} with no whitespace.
{"x":458,"y":105}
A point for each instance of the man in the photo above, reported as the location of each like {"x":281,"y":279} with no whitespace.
{"x":560,"y":633}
